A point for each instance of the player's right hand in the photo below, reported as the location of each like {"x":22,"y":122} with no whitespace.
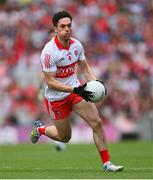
{"x":82,"y":92}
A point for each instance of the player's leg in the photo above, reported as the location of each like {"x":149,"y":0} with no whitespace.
{"x":89,"y":113}
{"x":60,"y":131}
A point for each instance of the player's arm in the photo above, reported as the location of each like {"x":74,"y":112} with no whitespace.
{"x":88,"y":73}
{"x":55,"y":84}
{"x":86,"y":70}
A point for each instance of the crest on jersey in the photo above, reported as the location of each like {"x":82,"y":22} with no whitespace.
{"x":76,"y":52}
{"x":47,"y":62}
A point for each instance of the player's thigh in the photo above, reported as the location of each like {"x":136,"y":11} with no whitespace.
{"x":63,"y":126}
{"x":87,"y":111}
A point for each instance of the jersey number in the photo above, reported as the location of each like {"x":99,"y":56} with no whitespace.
{"x":69,"y":57}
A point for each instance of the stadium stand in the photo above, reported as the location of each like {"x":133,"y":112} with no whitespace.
{"x":118,"y":40}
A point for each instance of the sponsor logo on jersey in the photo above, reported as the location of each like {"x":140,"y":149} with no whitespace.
{"x":62,"y":59}
{"x":65,"y":71}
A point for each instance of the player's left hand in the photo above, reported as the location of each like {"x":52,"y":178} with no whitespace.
{"x":103,"y":85}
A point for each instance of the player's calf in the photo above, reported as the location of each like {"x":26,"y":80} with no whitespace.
{"x":65,"y":138}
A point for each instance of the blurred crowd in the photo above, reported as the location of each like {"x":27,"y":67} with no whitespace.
{"x":118,"y":39}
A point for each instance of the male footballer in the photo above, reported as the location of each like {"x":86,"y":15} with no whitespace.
{"x":64,"y":93}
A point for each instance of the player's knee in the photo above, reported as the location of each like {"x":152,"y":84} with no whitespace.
{"x":96,"y":124}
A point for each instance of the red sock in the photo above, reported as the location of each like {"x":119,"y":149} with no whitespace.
{"x":104,"y":155}
{"x":41,"y":129}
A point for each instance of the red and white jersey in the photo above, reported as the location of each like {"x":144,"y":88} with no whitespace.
{"x":56,"y":58}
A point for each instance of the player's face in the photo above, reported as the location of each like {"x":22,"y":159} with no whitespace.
{"x":63,"y":28}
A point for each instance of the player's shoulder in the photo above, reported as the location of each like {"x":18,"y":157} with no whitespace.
{"x":48,"y":51}
{"x":49,"y":48}
{"x":76,"y":41}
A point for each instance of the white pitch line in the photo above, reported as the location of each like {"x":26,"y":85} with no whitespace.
{"x":130,"y":168}
{"x":135,"y":168}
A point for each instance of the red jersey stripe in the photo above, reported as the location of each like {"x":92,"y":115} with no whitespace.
{"x":47,"y":62}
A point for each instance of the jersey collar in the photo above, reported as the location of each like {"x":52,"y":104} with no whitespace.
{"x":60,"y":46}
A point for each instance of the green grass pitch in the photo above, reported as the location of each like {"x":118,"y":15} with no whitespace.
{"x":41,"y":161}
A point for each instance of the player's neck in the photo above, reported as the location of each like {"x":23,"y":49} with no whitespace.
{"x":65,"y":43}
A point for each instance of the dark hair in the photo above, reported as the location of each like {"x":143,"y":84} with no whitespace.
{"x":59,"y":15}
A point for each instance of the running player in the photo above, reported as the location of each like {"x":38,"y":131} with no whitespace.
{"x":64,"y":93}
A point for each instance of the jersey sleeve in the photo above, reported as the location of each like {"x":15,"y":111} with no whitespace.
{"x":81,"y":54}
{"x":48,"y":62}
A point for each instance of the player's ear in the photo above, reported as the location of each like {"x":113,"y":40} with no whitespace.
{"x":55,"y":29}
